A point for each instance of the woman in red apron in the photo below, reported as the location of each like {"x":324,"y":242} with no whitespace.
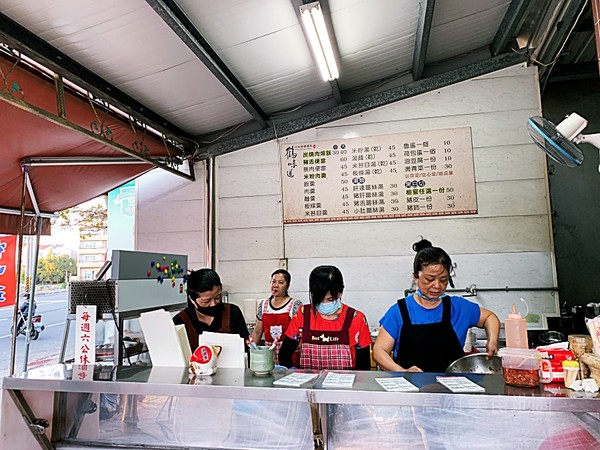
{"x":275,"y":313}
{"x":331,"y":335}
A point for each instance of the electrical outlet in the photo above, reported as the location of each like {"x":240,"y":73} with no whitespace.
{"x":283,"y":263}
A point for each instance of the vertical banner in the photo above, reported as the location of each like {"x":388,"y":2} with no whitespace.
{"x":85,"y":335}
{"x":8,"y":277}
{"x":121,"y":217}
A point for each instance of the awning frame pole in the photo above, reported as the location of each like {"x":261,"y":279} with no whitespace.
{"x":33,"y":271}
{"x":13,"y":345}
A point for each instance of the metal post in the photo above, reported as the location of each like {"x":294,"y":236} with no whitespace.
{"x":34,"y":263}
{"x":13,"y":344}
{"x":210,"y":209}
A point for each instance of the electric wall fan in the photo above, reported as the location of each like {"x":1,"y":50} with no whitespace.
{"x":560,"y":141}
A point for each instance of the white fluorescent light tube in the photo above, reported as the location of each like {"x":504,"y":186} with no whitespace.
{"x":314,"y":24}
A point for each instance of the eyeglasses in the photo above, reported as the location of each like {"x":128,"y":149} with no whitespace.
{"x":206,"y":300}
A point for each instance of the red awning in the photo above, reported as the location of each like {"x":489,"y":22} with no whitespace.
{"x":30,"y":127}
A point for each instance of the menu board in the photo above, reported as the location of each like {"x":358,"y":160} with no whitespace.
{"x":422,"y":173}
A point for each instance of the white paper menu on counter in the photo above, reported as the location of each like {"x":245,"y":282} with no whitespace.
{"x":162,"y":339}
{"x":295,"y":379}
{"x":460,"y":384}
{"x":397,"y":384}
{"x":338,"y":380}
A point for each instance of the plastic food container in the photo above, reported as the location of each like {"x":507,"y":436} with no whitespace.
{"x":520,"y":367}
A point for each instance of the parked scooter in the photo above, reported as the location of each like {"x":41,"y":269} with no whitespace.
{"x":36,"y":320}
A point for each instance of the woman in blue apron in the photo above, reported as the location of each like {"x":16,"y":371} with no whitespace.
{"x":426,"y":331}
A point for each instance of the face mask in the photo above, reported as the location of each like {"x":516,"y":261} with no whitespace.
{"x":210,"y":310}
{"x":424,"y":297}
{"x":329,"y":308}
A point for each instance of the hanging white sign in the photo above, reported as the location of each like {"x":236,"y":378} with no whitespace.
{"x":85,"y":335}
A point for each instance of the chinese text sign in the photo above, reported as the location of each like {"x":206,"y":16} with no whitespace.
{"x":424,"y":173}
{"x":85,"y":335}
{"x":8,"y":277}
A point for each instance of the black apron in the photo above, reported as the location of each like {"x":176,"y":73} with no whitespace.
{"x":194,"y":327}
{"x":431,"y":347}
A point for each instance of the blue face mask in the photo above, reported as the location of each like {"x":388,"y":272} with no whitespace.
{"x":424,"y":297}
{"x":330,"y":307}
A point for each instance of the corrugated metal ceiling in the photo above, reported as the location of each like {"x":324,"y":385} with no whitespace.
{"x":223,"y":74}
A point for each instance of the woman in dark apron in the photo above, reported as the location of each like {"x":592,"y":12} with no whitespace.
{"x":426,"y":331}
{"x":206,"y":311}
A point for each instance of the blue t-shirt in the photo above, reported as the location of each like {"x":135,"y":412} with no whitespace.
{"x":464,"y":314}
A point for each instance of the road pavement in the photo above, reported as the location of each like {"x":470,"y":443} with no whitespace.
{"x":45,"y":350}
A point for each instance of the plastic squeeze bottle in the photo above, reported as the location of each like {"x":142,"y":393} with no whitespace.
{"x":515,"y":328}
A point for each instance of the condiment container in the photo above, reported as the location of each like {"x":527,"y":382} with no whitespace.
{"x":555,"y":357}
{"x":261,"y":360}
{"x":571,"y":372}
{"x":520,"y":367}
{"x":515,"y":328}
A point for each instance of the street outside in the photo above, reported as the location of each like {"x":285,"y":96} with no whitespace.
{"x":52,"y":305}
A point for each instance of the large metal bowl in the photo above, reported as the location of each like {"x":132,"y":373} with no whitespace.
{"x":476,"y":363}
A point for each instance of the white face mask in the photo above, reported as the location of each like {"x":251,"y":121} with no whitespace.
{"x":424,"y":297}
{"x":330,"y":307}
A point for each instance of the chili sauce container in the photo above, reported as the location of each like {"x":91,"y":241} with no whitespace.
{"x":520,"y":367}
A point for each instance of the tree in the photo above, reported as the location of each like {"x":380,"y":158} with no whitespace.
{"x":89,"y":220}
{"x":53,"y":268}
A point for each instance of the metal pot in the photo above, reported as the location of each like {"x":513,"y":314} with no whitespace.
{"x":551,"y":337}
{"x":476,"y":363}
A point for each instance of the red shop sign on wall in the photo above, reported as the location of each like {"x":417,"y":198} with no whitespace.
{"x":8,"y":278}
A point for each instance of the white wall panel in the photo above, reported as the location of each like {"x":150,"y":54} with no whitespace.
{"x":487,"y":129}
{"x":170,"y":215}
{"x":509,"y":162}
{"x":251,"y":276}
{"x":511,"y":198}
{"x":266,"y":153}
{"x":190,"y":243}
{"x":250,"y":244}
{"x":241,"y":212}
{"x":175,"y":216}
{"x":509,"y":90}
{"x":394,"y":273}
{"x":249,"y":181}
{"x":391,"y":237}
{"x":373,"y":283}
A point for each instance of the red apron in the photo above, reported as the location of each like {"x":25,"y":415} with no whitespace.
{"x":326,"y":349}
{"x":275,"y":325}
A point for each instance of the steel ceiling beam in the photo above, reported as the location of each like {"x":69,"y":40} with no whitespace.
{"x":176,"y":19}
{"x":362,"y":105}
{"x":21,"y":39}
{"x":562,"y":32}
{"x":513,"y":19}
{"x":156,"y":161}
{"x":80,"y":161}
{"x":426,"y":8}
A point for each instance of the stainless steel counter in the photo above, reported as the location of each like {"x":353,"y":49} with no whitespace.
{"x":240,"y":383}
{"x":243,"y":403}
